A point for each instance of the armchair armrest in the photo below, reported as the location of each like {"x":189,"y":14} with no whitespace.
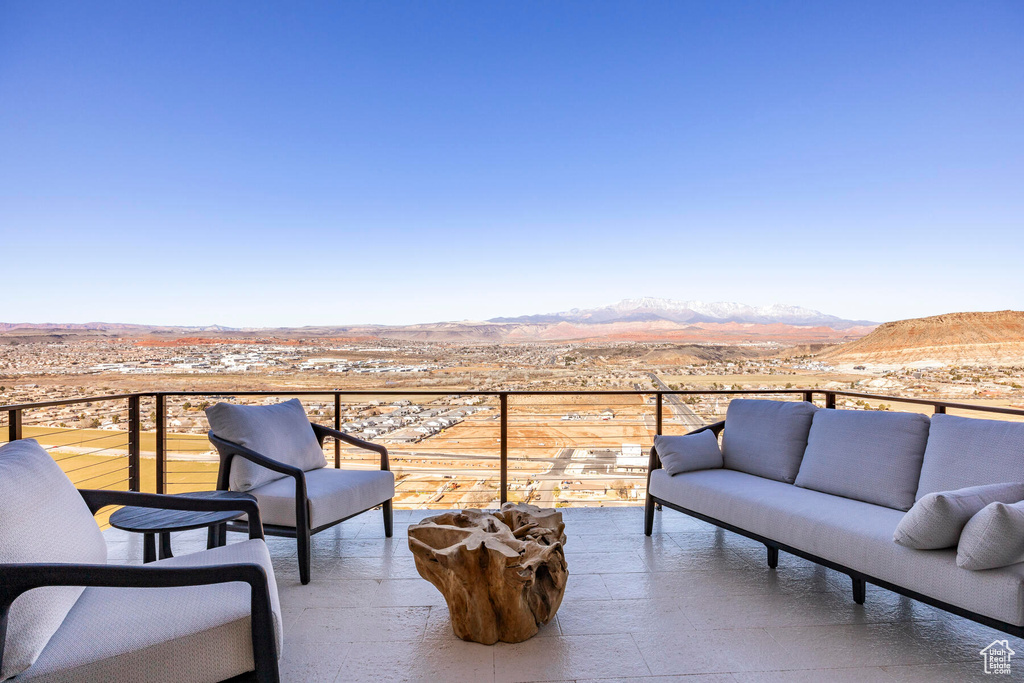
{"x":97,"y":499}
{"x":324,"y":432}
{"x":229,"y":449}
{"x":16,"y":579}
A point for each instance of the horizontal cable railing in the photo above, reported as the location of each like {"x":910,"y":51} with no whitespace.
{"x":447,"y":449}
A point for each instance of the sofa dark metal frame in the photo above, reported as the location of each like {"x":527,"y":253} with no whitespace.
{"x":301,"y":532}
{"x":16,"y":579}
{"x":859,"y":579}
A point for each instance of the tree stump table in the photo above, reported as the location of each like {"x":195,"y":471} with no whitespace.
{"x":502,"y":573}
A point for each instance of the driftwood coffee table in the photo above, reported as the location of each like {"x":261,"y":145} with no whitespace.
{"x":502,"y":573}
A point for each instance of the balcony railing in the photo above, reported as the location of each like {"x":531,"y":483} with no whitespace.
{"x":465,"y":449}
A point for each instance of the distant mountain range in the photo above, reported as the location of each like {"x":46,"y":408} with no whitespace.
{"x":649,"y":309}
{"x":646,"y":319}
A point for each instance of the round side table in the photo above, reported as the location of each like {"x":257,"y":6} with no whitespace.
{"x":151,"y":522}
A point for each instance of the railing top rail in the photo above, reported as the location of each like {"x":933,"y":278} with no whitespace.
{"x":69,"y":401}
{"x":935,"y":403}
{"x":474,"y":392}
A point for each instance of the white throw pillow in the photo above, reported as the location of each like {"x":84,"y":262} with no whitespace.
{"x":937,"y":519}
{"x":687,"y":453}
{"x":281,"y":432}
{"x":993,"y":538}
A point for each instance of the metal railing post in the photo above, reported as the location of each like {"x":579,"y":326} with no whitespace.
{"x":503,"y":398}
{"x":13,"y":425}
{"x":337,"y":426}
{"x":657,"y":415}
{"x":134,"y":434}
{"x":161,"y":442}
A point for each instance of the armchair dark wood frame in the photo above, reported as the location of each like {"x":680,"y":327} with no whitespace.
{"x":301,"y":532}
{"x":16,"y":579}
{"x":859,"y":579}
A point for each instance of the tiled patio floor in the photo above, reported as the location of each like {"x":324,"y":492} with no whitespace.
{"x":691,"y":604}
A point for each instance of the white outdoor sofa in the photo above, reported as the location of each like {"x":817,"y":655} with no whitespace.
{"x":66,"y":615}
{"x":831,"y":486}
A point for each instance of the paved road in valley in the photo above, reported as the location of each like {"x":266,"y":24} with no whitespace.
{"x":544,"y":494}
{"x":682,"y":411}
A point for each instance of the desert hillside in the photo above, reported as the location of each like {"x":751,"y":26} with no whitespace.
{"x":958,"y":338}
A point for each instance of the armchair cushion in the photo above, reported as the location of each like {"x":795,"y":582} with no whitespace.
{"x":42,"y":519}
{"x":333,"y":495}
{"x":281,"y":432}
{"x":192,"y":633}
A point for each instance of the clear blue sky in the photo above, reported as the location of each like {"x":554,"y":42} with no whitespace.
{"x":249,"y":163}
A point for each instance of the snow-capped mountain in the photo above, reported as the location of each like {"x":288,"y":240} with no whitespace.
{"x":654,"y":308}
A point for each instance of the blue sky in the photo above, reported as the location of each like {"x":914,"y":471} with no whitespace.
{"x":249,"y":163}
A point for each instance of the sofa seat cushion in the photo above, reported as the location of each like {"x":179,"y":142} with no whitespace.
{"x":849,"y":532}
{"x":333,"y":495}
{"x":280,"y":432}
{"x":873,"y":457}
{"x":766,"y":438}
{"x":965,"y":451}
{"x":193,"y":633}
{"x":42,"y":519}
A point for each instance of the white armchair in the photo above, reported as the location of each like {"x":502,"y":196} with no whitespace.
{"x":275,"y":454}
{"x":67,"y":615}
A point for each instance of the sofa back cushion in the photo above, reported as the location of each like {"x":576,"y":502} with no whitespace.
{"x":281,"y":432}
{"x":766,"y":438}
{"x":42,"y":519}
{"x":965,"y":451}
{"x":865,"y":455}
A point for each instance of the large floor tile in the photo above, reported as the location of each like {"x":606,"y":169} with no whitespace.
{"x":672,"y":558}
{"x":693,"y":678}
{"x":379,"y":568}
{"x":407,"y":593}
{"x":428,"y":661}
{"x":711,"y":651}
{"x":604,"y":563}
{"x":329,"y":593}
{"x":568,"y":658}
{"x":333,"y":625}
{"x":313,"y":662}
{"x":858,"y":645}
{"x":951,"y":673}
{"x":585,"y":587}
{"x":621,"y":616}
{"x":855,"y":675}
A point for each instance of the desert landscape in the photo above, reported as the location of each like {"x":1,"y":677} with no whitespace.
{"x":563,"y":449}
